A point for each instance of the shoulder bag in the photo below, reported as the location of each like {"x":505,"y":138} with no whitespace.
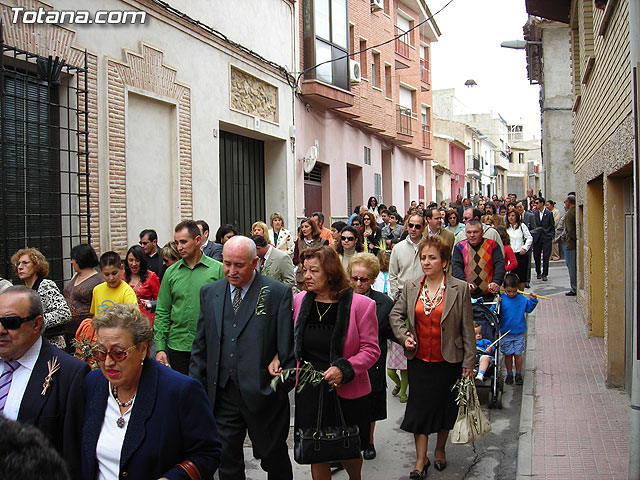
{"x":326,"y":444}
{"x":471,"y":423}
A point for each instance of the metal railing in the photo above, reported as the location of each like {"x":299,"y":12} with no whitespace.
{"x":403,"y":120}
{"x":402,"y":43}
{"x":426,"y":136}
{"x":424,"y":72}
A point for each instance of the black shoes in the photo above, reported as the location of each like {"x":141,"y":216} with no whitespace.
{"x":544,"y":278}
{"x":570,"y":294}
{"x":519,"y":379}
{"x":416,"y":475}
{"x":509,"y":380}
{"x":369,"y":453}
{"x":538,"y":276}
{"x":440,"y":465}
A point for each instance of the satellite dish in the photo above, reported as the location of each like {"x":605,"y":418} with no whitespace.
{"x":310,"y":159}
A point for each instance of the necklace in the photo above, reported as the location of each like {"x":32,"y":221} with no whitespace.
{"x":325,"y":312}
{"x":428,"y":303}
{"x":114,"y":390}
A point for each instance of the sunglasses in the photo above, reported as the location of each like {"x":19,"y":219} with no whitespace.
{"x":117,"y":355}
{"x":13,"y":322}
{"x":355,"y":224}
{"x":360,"y":279}
{"x":347,"y":239}
{"x":414,"y":225}
{"x":143,"y":243}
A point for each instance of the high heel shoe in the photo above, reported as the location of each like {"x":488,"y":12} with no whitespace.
{"x":417,"y":475}
{"x":440,"y":465}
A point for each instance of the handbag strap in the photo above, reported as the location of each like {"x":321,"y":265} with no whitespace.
{"x":321,"y":407}
{"x":190,"y":468}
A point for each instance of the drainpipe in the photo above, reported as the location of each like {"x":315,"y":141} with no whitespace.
{"x":634,"y":441}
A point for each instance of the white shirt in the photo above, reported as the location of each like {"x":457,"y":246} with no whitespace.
{"x":204,"y":245}
{"x":244,"y":289}
{"x":520,"y":238}
{"x":264,"y":259}
{"x":111,"y":438}
{"x":21,"y":376}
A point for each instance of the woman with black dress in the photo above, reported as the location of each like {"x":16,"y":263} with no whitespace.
{"x":336,"y":330}
{"x":439,"y":344}
{"x":372,"y":234}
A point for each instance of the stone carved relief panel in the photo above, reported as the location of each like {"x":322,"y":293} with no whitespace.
{"x":251,"y":95}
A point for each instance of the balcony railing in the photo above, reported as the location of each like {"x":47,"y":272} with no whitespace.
{"x":424,"y":72}
{"x":476,"y":163}
{"x":403,"y":120}
{"x":402,"y":43}
{"x":426,"y":136}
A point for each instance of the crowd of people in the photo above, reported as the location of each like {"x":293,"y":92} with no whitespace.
{"x":185,"y":340}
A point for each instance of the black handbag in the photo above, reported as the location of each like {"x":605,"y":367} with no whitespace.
{"x":326,"y":444}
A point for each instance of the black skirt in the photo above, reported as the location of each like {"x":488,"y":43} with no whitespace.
{"x":432,"y":404}
{"x":377,"y":405}
{"x":355,"y":411}
{"x":523,"y":266}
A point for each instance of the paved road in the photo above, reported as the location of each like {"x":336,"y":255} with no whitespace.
{"x":492,"y":457}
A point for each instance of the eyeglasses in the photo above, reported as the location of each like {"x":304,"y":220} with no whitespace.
{"x":24,"y":263}
{"x":360,"y":279}
{"x":355,"y":224}
{"x":347,"y":239}
{"x":116,"y":355}
{"x":143,"y":243}
{"x":414,"y":225}
{"x":13,"y":322}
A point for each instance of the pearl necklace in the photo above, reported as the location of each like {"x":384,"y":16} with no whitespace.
{"x":427,"y":302}
{"x":114,"y":390}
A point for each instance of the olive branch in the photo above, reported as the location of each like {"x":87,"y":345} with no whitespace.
{"x":262,"y":296}
{"x":307,"y":375}
{"x":462,"y":385}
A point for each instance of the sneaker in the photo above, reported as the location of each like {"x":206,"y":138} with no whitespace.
{"x":519,"y":379}
{"x":403,"y":398}
{"x":480,"y":377}
{"x":395,"y":391}
{"x":570,"y":294}
{"x":509,"y":380}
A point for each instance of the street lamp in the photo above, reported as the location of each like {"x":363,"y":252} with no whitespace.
{"x":534,"y":77}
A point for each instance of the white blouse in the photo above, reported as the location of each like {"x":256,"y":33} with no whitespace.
{"x":111,"y":439}
{"x":520,"y":238}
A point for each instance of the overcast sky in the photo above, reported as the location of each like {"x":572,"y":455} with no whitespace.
{"x":469,"y":48}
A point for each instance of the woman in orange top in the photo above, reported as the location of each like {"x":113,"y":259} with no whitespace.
{"x":439,"y":344}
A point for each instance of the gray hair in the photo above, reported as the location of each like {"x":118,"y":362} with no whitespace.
{"x":241,"y":239}
{"x":571,"y":199}
{"x":35,"y":303}
{"x":127,"y":316}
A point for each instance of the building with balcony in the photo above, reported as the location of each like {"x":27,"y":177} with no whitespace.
{"x":365,"y":104}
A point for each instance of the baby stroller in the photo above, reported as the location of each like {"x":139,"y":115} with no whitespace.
{"x":486,"y":315}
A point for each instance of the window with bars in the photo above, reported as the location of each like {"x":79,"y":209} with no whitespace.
{"x":43,"y":169}
{"x":367,"y":155}
{"x":377,"y":182}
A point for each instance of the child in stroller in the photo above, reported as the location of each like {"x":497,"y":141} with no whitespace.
{"x":483,"y":350}
{"x":486,"y":317}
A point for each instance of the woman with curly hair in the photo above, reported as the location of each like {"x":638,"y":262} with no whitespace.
{"x":144,"y":282}
{"x":32,"y":267}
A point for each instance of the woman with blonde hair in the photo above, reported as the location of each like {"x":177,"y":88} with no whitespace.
{"x":282,"y":238}
{"x":32,"y":267}
{"x":261,"y":228}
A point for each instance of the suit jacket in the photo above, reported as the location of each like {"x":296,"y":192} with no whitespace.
{"x":458,"y":342}
{"x":544,"y":229}
{"x":171,"y":421}
{"x":265,"y":328}
{"x":570,"y":228}
{"x":354,"y":342}
{"x":209,"y":249}
{"x":279,"y":266}
{"x":529,"y":220}
{"x":378,"y":373}
{"x":58,"y":413}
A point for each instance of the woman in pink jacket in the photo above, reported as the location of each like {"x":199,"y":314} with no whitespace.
{"x":336,"y":330}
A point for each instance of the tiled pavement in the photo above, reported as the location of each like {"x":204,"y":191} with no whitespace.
{"x":580,"y":428}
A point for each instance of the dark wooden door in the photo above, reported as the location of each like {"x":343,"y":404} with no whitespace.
{"x":241,"y":181}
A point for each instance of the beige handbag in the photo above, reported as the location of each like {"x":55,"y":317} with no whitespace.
{"x":471,"y":423}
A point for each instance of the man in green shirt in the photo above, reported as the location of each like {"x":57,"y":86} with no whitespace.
{"x":178,"y":304}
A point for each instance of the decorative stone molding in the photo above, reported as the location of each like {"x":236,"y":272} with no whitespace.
{"x":251,"y":95}
{"x":146,"y":72}
{"x":58,"y":41}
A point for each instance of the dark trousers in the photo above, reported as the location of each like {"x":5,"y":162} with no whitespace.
{"x":179,"y":361}
{"x":542,"y":251}
{"x":268,"y":434}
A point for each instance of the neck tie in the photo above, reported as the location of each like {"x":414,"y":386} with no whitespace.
{"x":5,"y":381}
{"x":237,"y":298}
{"x":261,"y":263}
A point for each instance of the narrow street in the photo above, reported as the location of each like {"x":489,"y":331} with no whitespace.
{"x":492,"y":457}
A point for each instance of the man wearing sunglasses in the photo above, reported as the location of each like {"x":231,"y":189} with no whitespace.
{"x":56,"y":406}
{"x":404,"y":264}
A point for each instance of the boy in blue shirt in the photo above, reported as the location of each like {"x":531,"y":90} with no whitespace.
{"x":513,"y":307}
{"x":483,"y":348}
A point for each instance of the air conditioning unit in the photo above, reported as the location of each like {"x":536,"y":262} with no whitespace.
{"x":355,"y":74}
{"x":377,"y":5}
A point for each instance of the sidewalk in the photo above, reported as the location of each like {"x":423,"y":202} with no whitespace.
{"x":572,"y":426}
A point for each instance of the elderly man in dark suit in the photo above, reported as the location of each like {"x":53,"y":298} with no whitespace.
{"x":32,"y":390}
{"x":245,"y":325}
{"x":543,"y":233}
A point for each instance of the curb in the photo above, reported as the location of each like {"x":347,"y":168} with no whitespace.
{"x":524,"y":469}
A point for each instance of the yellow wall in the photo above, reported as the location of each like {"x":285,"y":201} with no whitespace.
{"x":596,"y":258}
